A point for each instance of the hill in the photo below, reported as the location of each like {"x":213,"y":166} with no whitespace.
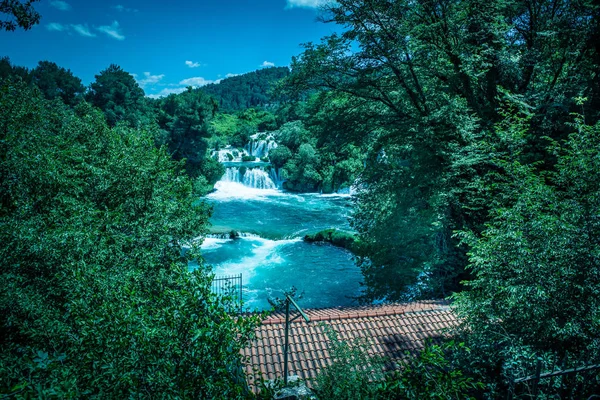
{"x":245,"y":91}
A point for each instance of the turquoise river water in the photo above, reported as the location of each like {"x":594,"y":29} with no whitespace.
{"x":271,"y":255}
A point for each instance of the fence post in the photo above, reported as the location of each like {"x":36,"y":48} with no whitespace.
{"x":240,"y":292}
{"x":538,"y":371}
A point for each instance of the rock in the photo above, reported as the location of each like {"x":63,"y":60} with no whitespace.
{"x":296,"y":390}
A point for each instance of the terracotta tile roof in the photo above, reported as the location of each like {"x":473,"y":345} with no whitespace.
{"x":392,"y":329}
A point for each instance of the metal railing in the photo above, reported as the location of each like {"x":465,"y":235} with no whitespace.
{"x":577,"y":381}
{"x":229,"y":286}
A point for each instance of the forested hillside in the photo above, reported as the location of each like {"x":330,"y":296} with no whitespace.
{"x":253,"y":89}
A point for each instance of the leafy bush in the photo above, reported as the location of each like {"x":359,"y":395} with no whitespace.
{"x":97,"y":300}
{"x":336,"y":237}
{"x":431,"y":375}
{"x":279,"y":156}
{"x":352,"y":371}
{"x":211,"y":169}
{"x":354,"y":374}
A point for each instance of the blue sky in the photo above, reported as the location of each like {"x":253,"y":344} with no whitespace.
{"x":166,"y":45}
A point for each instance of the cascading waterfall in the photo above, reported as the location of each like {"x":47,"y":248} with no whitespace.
{"x":258,"y":230}
{"x":228,"y":154}
{"x":260,"y":144}
{"x":255,"y":178}
{"x":275,"y":175}
{"x":252,"y":174}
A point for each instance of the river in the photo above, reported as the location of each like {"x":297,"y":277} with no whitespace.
{"x":270,"y":254}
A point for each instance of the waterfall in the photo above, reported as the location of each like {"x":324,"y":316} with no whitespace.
{"x":252,"y":177}
{"x":275,"y":176}
{"x":228,"y":154}
{"x":260,"y":144}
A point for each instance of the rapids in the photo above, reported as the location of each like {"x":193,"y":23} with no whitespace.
{"x":270,"y":254}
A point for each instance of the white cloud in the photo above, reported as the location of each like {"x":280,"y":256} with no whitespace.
{"x":55,"y":26}
{"x":196,"y":82}
{"x":231,"y":75}
{"x":266,"y":64}
{"x":83,"y":30}
{"x":192,"y":64}
{"x":61,"y":5}
{"x":167,"y":91}
{"x":112,"y":30}
{"x":306,"y":3}
{"x":148,"y":79}
{"x":122,"y":8}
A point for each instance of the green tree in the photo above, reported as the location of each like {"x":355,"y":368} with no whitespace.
{"x":7,"y":70}
{"x":18,"y":14}
{"x":279,"y":156}
{"x":185,"y":119}
{"x":119,"y":96}
{"x":430,"y":78}
{"x":97,"y":299}
{"x":57,"y":82}
{"x":535,"y":266}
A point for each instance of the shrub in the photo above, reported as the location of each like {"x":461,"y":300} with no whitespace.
{"x":97,"y":300}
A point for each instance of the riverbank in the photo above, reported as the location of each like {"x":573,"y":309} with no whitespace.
{"x":339,"y":238}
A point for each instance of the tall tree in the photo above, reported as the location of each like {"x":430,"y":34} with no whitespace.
{"x":57,"y":82}
{"x":7,"y":70}
{"x":184,"y":119}
{"x":535,"y":293}
{"x":430,"y":77}
{"x":97,"y":299}
{"x":119,"y":96}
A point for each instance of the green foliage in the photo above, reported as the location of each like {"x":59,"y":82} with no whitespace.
{"x":535,"y":265}
{"x":97,"y":299}
{"x":293,"y":135}
{"x":56,"y":82}
{"x":302,"y":170}
{"x":7,"y":70}
{"x":18,"y":14}
{"x":248,"y":158}
{"x":118,"y":95}
{"x":417,"y":88}
{"x":185,"y":119}
{"x":336,"y":237}
{"x":279,"y":156}
{"x":211,"y":169}
{"x":236,"y":129}
{"x":431,"y":375}
{"x":352,"y":374}
{"x":245,"y":91}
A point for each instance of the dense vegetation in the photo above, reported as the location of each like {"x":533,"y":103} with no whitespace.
{"x":240,"y":92}
{"x":97,"y":298}
{"x":470,"y":132}
{"x":482,"y":129}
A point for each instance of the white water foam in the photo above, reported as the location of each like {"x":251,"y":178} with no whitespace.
{"x":252,"y":177}
{"x":264,"y":253}
{"x":260,"y":148}
{"x":213,"y":243}
{"x":234,"y":191}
